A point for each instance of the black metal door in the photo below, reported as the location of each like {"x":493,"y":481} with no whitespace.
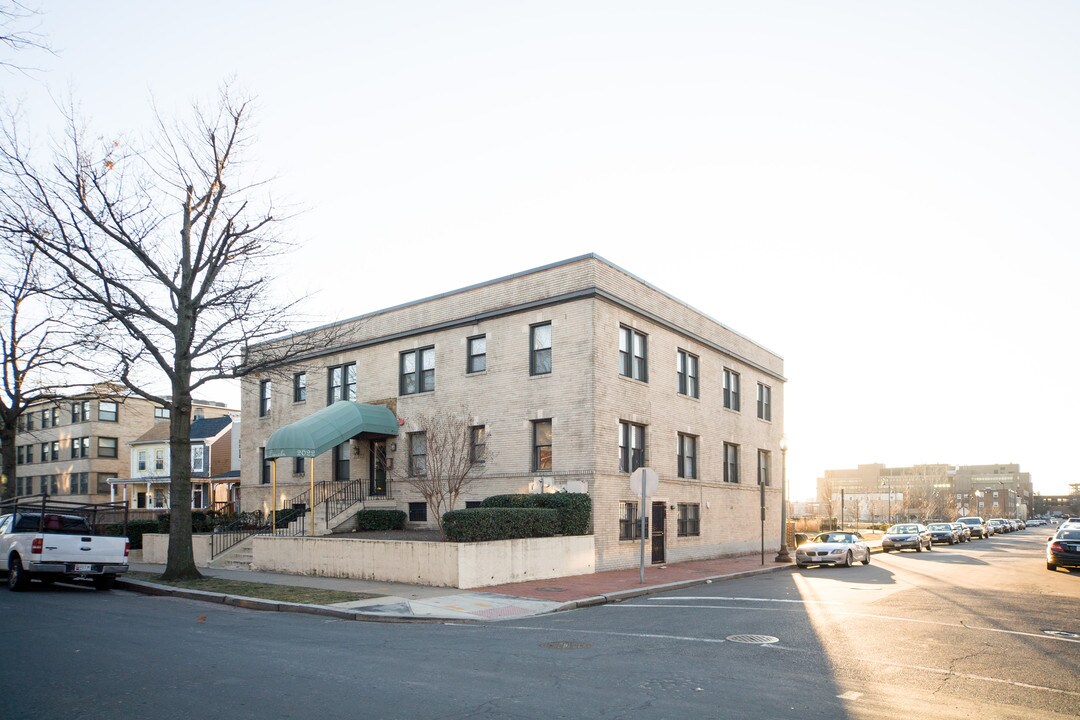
{"x":659,"y":511}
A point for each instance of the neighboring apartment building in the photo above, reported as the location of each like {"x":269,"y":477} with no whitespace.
{"x":73,"y":447}
{"x":935,"y":490}
{"x":214,"y":485}
{"x":573,"y":375}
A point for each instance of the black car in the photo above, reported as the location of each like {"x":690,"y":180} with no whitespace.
{"x":943,"y":533}
{"x":1063,"y":549}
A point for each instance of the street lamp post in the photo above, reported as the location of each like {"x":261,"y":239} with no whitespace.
{"x":783,"y":555}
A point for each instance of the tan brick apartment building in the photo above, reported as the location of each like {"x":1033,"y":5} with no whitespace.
{"x":72,"y":447}
{"x":572,"y":374}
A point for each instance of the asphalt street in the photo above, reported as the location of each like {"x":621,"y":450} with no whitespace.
{"x":975,"y":630}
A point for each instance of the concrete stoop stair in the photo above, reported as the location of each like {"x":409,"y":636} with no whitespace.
{"x":238,"y":557}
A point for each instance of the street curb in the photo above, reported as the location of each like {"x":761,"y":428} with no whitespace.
{"x":248,"y":603}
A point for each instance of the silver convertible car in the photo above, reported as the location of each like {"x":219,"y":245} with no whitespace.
{"x":833,"y":548}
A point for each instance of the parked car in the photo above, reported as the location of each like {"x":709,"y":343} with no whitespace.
{"x":998,"y":525}
{"x":943,"y":533}
{"x":977,"y":526}
{"x":1036,"y":522}
{"x":963,"y":531}
{"x":833,"y":548}
{"x":1063,"y":549}
{"x":50,"y":545}
{"x":906,"y":535}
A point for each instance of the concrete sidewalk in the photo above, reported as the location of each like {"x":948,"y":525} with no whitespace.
{"x":417,"y":603}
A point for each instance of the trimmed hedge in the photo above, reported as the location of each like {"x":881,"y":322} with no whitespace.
{"x":574,"y":509}
{"x":380,"y":520}
{"x":135,"y":530}
{"x":500,"y":523}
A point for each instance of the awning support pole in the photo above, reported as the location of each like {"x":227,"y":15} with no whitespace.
{"x":273,"y":496}
{"x":311,"y":499}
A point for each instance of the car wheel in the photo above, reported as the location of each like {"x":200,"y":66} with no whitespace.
{"x":866,"y":560}
{"x":18,"y":579}
{"x":847,"y":559}
{"x":929,"y":546}
{"x":918,"y":547}
{"x":1051,"y":567}
{"x":801,"y":566}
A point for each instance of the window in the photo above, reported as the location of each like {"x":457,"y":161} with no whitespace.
{"x":80,"y":447}
{"x":477,"y":354}
{"x":341,"y":460}
{"x":417,"y":454}
{"x":299,"y":387}
{"x":632,"y":354}
{"x":478,"y":443}
{"x":764,"y":463}
{"x":198,"y":458}
{"x":417,"y":371}
{"x":540,"y":349}
{"x":141,"y":464}
{"x":264,"y":464}
{"x":20,"y":424}
{"x":541,"y":454}
{"x":689,"y":522}
{"x":162,"y":413}
{"x":341,"y":383}
{"x":629,"y":523}
{"x":731,"y":463}
{"x":45,"y":452}
{"x":50,"y":482}
{"x":29,"y":454}
{"x":687,"y":456}
{"x":159,"y":459}
{"x":80,"y":411}
{"x":103,"y":482}
{"x":731,"y":389}
{"x":80,"y":483}
{"x":50,"y":417}
{"x":298,"y":466}
{"x":764,"y":402}
{"x":44,"y":419}
{"x":265,"y":391}
{"x":107,"y":411}
{"x":631,"y":446}
{"x":687,"y":366}
{"x":19,"y":455}
{"x":29,"y":421}
{"x":417,"y":512}
{"x":54,"y":448}
{"x":24,"y":485}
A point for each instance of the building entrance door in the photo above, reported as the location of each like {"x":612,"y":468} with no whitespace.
{"x":659,"y":512}
{"x":377,"y":469}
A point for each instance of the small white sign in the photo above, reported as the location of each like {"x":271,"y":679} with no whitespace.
{"x":652,"y":481}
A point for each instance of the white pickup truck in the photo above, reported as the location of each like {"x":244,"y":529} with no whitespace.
{"x":46,"y":544}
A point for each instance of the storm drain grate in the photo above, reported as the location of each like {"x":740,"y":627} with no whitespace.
{"x":566,"y":645}
{"x":753,"y":639}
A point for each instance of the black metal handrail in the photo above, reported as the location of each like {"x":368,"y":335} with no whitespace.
{"x":350,"y":493}
{"x":229,"y":535}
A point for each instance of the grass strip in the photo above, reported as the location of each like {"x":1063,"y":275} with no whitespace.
{"x":263,"y":591}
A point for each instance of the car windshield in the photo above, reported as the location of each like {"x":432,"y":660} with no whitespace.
{"x":1068,"y":535}
{"x":895,"y":529}
{"x":970,"y":521}
{"x":834,"y":538}
{"x":940,"y":526}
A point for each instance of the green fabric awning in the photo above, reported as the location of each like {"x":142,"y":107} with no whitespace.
{"x":330,"y":426}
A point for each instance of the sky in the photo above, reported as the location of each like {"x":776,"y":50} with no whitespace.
{"x":884,"y":194}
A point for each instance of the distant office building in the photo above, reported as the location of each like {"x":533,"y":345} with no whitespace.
{"x":932,"y":491}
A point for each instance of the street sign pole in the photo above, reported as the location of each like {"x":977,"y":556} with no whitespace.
{"x":645,"y":481}
{"x":642,"y":565}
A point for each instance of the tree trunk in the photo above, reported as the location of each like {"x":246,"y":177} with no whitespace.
{"x":181,"y":559}
{"x":8,"y":434}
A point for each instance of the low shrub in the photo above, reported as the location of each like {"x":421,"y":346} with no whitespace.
{"x":574,"y":509}
{"x":135,"y":531}
{"x":380,"y":520}
{"x":499,"y":523}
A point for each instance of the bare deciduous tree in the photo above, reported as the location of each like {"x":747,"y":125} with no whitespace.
{"x":16,"y":33}
{"x":33,"y":350}
{"x":166,"y":248}
{"x":446,"y":453}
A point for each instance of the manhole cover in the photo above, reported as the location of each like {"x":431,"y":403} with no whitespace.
{"x":753,"y":639}
{"x":551,"y":588}
{"x":1062,"y":633}
{"x":566,"y":645}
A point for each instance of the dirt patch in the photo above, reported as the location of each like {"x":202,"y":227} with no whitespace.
{"x":412,"y":535}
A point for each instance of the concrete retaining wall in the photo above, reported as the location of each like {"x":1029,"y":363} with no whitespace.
{"x":439,"y":564}
{"x":156,"y":548}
